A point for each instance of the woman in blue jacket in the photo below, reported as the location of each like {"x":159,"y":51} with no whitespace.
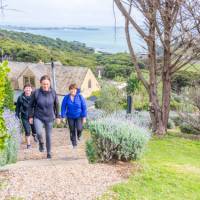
{"x":74,"y":109}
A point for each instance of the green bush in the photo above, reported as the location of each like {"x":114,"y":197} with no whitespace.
{"x":3,"y":79}
{"x":91,"y":151}
{"x":110,"y":99}
{"x":186,"y":128}
{"x":170,"y":124}
{"x":184,"y":79}
{"x":9,"y":98}
{"x":177,"y":121}
{"x":9,"y":154}
{"x":10,"y":151}
{"x":113,"y":139}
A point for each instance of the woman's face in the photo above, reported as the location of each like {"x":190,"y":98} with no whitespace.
{"x":45,"y":84}
{"x":73,"y":92}
{"x":28,"y":91}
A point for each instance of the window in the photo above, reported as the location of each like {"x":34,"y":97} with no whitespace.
{"x":29,"y":79}
{"x":89,"y":84}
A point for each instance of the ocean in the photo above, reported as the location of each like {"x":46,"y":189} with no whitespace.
{"x":104,"y":39}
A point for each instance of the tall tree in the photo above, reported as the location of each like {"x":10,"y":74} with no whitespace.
{"x":169,"y":25}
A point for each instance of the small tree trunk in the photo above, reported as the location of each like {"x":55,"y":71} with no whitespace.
{"x":166,"y":100}
{"x":156,"y":116}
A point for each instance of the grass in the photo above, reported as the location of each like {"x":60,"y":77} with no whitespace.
{"x":192,"y":68}
{"x":170,"y":171}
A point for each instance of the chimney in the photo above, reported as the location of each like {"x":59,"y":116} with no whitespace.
{"x":53,"y":74}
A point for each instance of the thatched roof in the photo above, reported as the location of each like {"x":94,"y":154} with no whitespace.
{"x":65,"y":75}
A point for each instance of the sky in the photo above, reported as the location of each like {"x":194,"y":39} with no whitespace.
{"x":60,"y":13}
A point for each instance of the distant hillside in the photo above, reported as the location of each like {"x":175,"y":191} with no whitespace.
{"x":48,"y":42}
{"x":26,"y":47}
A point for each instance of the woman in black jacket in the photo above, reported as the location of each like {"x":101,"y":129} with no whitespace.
{"x":22,"y":113}
{"x":43,"y":110}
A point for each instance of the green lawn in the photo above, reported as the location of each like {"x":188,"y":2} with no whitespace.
{"x":192,"y":68}
{"x":170,"y":171}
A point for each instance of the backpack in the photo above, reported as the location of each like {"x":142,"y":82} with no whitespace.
{"x":37,"y":92}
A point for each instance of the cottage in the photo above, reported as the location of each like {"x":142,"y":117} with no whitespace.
{"x":22,"y":73}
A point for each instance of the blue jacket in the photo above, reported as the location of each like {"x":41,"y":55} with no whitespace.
{"x":74,"y":109}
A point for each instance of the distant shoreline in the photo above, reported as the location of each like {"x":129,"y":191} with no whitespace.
{"x":89,"y":28}
{"x":101,"y":38}
{"x":48,"y":28}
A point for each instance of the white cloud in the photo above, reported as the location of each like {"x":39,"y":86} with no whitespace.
{"x":61,"y":12}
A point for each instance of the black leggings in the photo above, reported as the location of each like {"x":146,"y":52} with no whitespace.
{"x":28,"y":128}
{"x":75,"y":126}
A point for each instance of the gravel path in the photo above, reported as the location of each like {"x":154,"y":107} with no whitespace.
{"x":67,"y":176}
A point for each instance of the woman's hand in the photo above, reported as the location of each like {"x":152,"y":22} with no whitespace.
{"x":58,"y":121}
{"x":31,"y":120}
{"x":84,"y":120}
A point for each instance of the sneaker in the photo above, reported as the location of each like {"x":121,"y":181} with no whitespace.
{"x":79,"y":137}
{"x":41,"y":147}
{"x":35,"y":139}
{"x":49,"y":156}
{"x":28,"y":146}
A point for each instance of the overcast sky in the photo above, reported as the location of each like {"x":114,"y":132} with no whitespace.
{"x":61,"y":13}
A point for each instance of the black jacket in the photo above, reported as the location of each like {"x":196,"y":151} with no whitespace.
{"x":22,"y":106}
{"x":44,"y":105}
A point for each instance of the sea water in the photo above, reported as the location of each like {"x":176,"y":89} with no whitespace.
{"x":104,"y":39}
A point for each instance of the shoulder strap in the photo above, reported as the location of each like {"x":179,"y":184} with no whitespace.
{"x":53,"y":94}
{"x":37,"y":91}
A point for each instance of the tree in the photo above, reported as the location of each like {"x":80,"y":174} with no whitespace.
{"x":170,"y":26}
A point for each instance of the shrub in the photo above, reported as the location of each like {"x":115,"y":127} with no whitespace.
{"x":183,"y":79}
{"x":177,"y":121}
{"x":9,"y":153}
{"x":170,"y":124}
{"x":91,"y":151}
{"x":115,"y":139}
{"x":9,"y":96}
{"x":132,"y":84}
{"x":110,"y":99}
{"x":192,"y":119}
{"x":3,"y":78}
{"x":186,"y":128}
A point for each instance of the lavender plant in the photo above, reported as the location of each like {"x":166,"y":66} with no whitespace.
{"x":9,"y":154}
{"x":116,"y":138}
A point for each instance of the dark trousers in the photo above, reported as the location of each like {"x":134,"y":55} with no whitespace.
{"x":48,"y":126}
{"x":28,"y":128}
{"x":75,"y":127}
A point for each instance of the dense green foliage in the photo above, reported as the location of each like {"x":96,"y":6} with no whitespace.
{"x":132,"y":84}
{"x":115,"y":139}
{"x":3,"y":78}
{"x":169,"y":170}
{"x":9,"y":98}
{"x":116,"y":65}
{"x":110,"y":99}
{"x":21,"y":51}
{"x":184,"y":79}
{"x":33,"y":39}
{"x":26,"y":47}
